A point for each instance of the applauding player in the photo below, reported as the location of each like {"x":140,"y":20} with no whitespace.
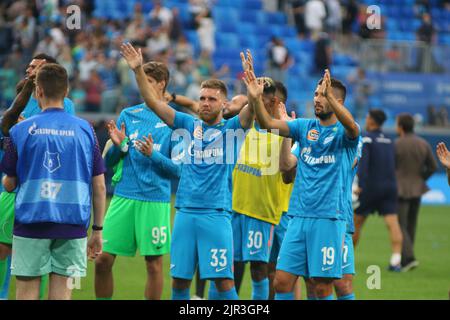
{"x":202,"y":232}
{"x":313,"y":244}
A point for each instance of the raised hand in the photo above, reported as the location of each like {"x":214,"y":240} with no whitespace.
{"x":281,"y":113}
{"x":443,"y":154}
{"x":131,"y":55}
{"x":145,"y":146}
{"x":247,"y":63}
{"x":115,"y":134}
{"x":325,"y":87}
{"x":38,"y":66}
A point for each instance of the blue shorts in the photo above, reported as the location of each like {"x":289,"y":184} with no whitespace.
{"x":252,"y":238}
{"x":278,"y":236}
{"x":312,"y":248}
{"x":205,"y":239}
{"x":348,"y":255}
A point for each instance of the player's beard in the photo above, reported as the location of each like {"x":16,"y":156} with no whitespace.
{"x":324,"y":115}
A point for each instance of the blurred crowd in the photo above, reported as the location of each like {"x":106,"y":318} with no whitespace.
{"x":100,"y":80}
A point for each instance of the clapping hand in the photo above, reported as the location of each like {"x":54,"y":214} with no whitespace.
{"x":131,"y":55}
{"x":115,"y":134}
{"x":443,"y":155}
{"x":145,"y":146}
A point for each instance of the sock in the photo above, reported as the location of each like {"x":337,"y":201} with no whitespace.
{"x":312,"y":298}
{"x":396,"y":258}
{"x":43,"y":287}
{"x":5,"y":276}
{"x":284,"y":296}
{"x":228,"y":295}
{"x":213,"y":294}
{"x":350,"y":296}
{"x":260,"y":290}
{"x":182,"y":294}
{"x":330,"y":297}
{"x":99,"y":299}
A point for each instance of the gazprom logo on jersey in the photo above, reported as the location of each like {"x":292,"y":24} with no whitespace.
{"x":307,"y":158}
{"x":34,"y":130}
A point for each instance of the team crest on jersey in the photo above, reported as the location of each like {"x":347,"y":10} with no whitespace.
{"x":51,"y":161}
{"x":198,"y":132}
{"x":313,"y":135}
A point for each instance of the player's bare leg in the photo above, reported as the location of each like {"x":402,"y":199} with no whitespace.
{"x":58,"y":288}
{"x":310,"y":289}
{"x":323,"y":287}
{"x":271,"y":275}
{"x":104,"y":283}
{"x":359,"y":222}
{"x":27,"y":288}
{"x":344,"y":286}
{"x":396,"y":236}
{"x":284,"y":285}
{"x":155,"y":278}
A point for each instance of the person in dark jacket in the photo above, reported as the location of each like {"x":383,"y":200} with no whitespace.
{"x":415,"y":163}
{"x":377,"y":184}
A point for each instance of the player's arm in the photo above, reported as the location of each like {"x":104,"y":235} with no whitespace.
{"x":162,"y":163}
{"x":287,"y":159}
{"x":11,"y":115}
{"x":444,"y":158}
{"x":8,"y":166}
{"x":343,"y":115}
{"x":289,"y":176}
{"x":161,"y":108}
{"x":254,"y":94}
{"x":183,"y":101}
{"x":235,"y":106}
{"x":247,"y":114}
{"x":95,"y":243}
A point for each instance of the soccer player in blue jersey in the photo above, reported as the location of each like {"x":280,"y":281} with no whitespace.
{"x":54,"y":160}
{"x":138,"y":216}
{"x":202,"y":232}
{"x":25,"y":105}
{"x":313,"y":244}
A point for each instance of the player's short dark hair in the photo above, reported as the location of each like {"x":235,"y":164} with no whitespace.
{"x":338,"y":85}
{"x":378,"y":116}
{"x":281,"y":91}
{"x":53,"y":80}
{"x":158,"y":71}
{"x":406,"y":122}
{"x":215,"y":84}
{"x":46,"y":57}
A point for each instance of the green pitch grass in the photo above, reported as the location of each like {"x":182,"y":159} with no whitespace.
{"x":431,"y":280}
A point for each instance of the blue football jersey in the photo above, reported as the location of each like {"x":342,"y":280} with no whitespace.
{"x":325,"y":161}
{"x":212,"y":151}
{"x":143,"y":178}
{"x":32,"y":107}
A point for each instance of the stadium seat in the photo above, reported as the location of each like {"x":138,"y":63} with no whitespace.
{"x":227,"y":40}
